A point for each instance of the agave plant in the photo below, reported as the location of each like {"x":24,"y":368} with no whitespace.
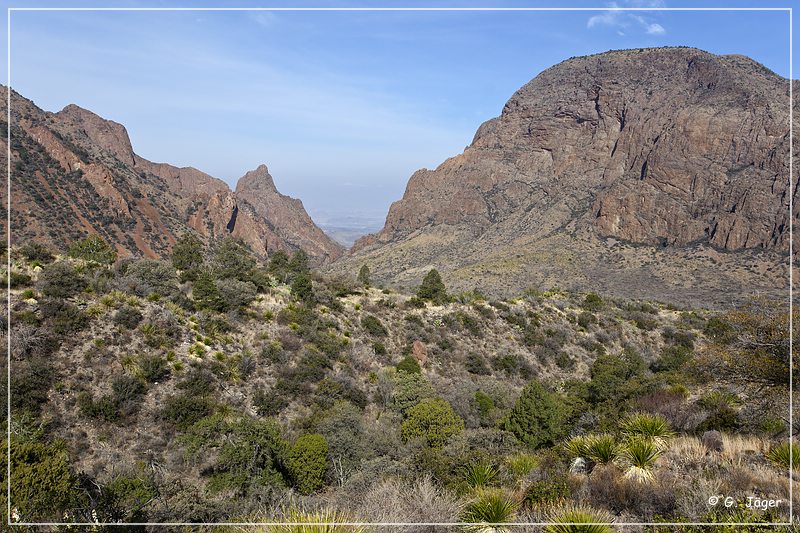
{"x":638,"y":456}
{"x":783,"y":455}
{"x":579,"y":519}
{"x":487,"y":513}
{"x":602,"y":449}
{"x":652,"y":427}
{"x":480,"y":475}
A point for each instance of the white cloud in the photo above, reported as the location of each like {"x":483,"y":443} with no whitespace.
{"x":621,"y":19}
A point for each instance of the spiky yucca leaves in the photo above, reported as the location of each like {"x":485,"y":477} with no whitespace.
{"x":487,"y":513}
{"x":652,"y":427}
{"x":521,"y":464}
{"x":579,"y":519}
{"x":638,"y":456}
{"x":300,"y":521}
{"x":480,"y":475}
{"x":602,"y":449}
{"x":577,"y":446}
{"x":781,"y":454}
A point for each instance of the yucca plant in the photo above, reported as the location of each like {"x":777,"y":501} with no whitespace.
{"x":579,"y":519}
{"x":652,"y":427}
{"x":296,"y":520}
{"x":480,"y":475}
{"x":602,"y":449}
{"x":487,"y":513}
{"x":521,"y":464}
{"x":782,"y":453}
{"x":577,"y":446}
{"x":638,"y":456}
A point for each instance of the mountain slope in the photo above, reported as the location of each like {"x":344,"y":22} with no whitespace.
{"x":75,"y":173}
{"x":611,"y":171}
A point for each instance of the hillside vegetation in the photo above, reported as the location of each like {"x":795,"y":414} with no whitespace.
{"x":215,"y":388}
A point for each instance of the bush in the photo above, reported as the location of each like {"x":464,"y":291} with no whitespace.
{"x":154,"y":368}
{"x":128,"y":317}
{"x":42,"y":486}
{"x":432,"y":288}
{"x":30,"y":384}
{"x":549,"y":490}
{"x":61,"y":280}
{"x":36,"y":252}
{"x":409,"y":390}
{"x":233,"y":259}
{"x":537,"y":419}
{"x":187,"y":256}
{"x":592,"y":302}
{"x":303,"y":288}
{"x":307,"y":462}
{"x":363,"y":276}
{"x":128,"y":393}
{"x":19,"y":279}
{"x":409,"y":365}
{"x":206,"y":294}
{"x":432,"y":420}
{"x":184,"y":410}
{"x":373,"y":326}
{"x":235,"y":293}
{"x":475,"y":364}
{"x":144,"y":277}
{"x":64,"y":317}
{"x":94,"y":249}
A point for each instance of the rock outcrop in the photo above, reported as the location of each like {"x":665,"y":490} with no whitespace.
{"x":607,"y":159}
{"x":75,"y":173}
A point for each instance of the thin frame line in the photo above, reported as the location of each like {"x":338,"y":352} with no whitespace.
{"x":391,"y":9}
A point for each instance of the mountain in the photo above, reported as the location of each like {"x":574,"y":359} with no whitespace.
{"x":75,"y":173}
{"x":656,"y":173}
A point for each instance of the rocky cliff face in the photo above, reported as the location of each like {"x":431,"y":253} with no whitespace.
{"x":671,"y":152}
{"x":75,"y":173}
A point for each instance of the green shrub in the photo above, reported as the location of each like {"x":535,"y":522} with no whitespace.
{"x":236,"y":294}
{"x":782,"y":454}
{"x":61,"y":280}
{"x":42,"y":484}
{"x":19,"y":279}
{"x":476,"y":364}
{"x":537,"y":419}
{"x":187,"y":256}
{"x":586,"y":319}
{"x":409,"y":390}
{"x":363,"y":276}
{"x":479,"y":475}
{"x":94,"y":249}
{"x":409,"y":365}
{"x":592,"y":302}
{"x":206,"y":294}
{"x":126,"y":497}
{"x":654,"y":428}
{"x":307,"y":462}
{"x":145,"y":277}
{"x":184,"y":410}
{"x":128,"y":317}
{"x":233,"y":259}
{"x":432,"y":420}
{"x":64,"y":317}
{"x":549,"y":490}
{"x":34,"y":251}
{"x":432,"y":288}
{"x":303,"y":288}
{"x":154,"y":368}
{"x":373,"y":326}
{"x":379,"y":348}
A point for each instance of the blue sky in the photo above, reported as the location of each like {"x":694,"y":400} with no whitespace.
{"x":342,"y":106}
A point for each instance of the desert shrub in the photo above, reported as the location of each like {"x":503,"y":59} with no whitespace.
{"x":432,"y":420}
{"x":233,"y":259}
{"x":476,"y":364}
{"x":363,"y":276}
{"x":94,"y":249}
{"x":537,"y":419}
{"x":330,"y":391}
{"x":343,"y":429}
{"x":409,"y":365}
{"x":549,"y":489}
{"x":270,"y":402}
{"x":128,"y":317}
{"x":144,"y":277}
{"x":513,"y":364}
{"x":592,"y":302}
{"x":415,"y":303}
{"x":64,"y":317}
{"x":61,"y":280}
{"x":36,"y":252}
{"x":579,"y":519}
{"x":303,"y":288}
{"x":718,"y":328}
{"x":125,"y":497}
{"x":307,"y":462}
{"x":432,"y":288}
{"x":206,"y":294}
{"x":127,"y":394}
{"x":42,"y":487}
{"x":615,"y":381}
{"x":198,"y":382}
{"x":672,"y":358}
{"x":19,"y":279}
{"x":484,"y":404}
{"x":236,"y":293}
{"x":102,"y":409}
{"x":30,"y":384}
{"x":677,"y":337}
{"x":187,"y":256}
{"x":183,"y":410}
{"x":643,"y":321}
{"x":409,"y":389}
{"x":153,"y":368}
{"x":373,"y":326}
{"x":586,"y":319}
{"x":379,"y":348}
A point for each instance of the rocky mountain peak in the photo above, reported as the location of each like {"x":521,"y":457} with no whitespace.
{"x":106,"y":134}
{"x":256,"y":181}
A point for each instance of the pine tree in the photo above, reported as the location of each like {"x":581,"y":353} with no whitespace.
{"x":432,"y":288}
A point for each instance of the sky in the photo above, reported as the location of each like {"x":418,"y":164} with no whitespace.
{"x":341,"y":106}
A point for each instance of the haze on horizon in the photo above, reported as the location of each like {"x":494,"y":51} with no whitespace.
{"x":342,"y":106}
